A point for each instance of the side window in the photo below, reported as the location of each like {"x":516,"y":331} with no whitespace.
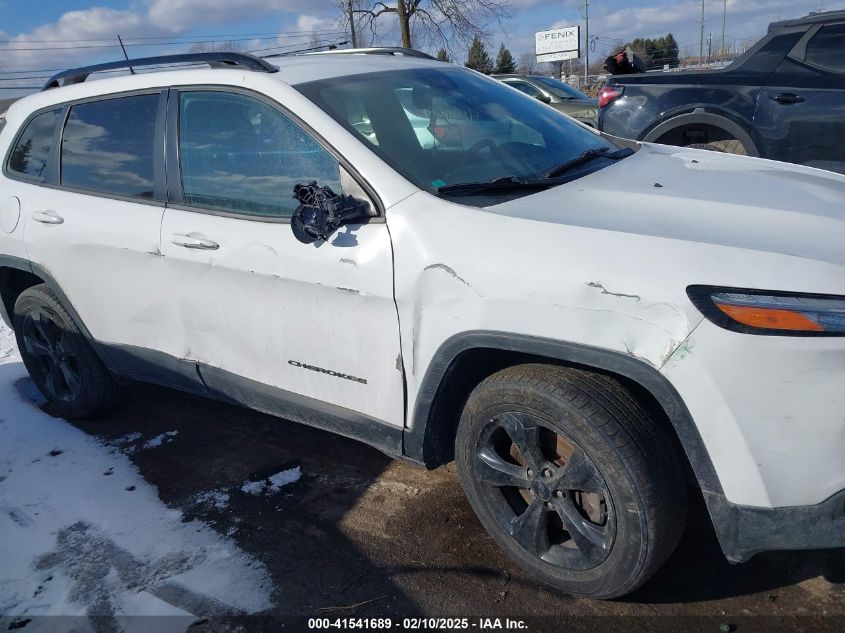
{"x":827,"y":48}
{"x":107,"y":146}
{"x":525,"y":87}
{"x":31,"y":153}
{"x":239,"y":154}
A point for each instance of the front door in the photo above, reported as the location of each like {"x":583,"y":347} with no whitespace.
{"x":266,"y":316}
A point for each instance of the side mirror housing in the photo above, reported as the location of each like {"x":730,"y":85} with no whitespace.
{"x":321,"y":212}
{"x":543,"y":98}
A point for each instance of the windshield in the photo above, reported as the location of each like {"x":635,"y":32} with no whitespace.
{"x":559,"y":89}
{"x":445,"y":126}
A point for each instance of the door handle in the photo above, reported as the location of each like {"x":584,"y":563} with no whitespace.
{"x":47,"y":217}
{"x":787,"y":98}
{"x":195,"y":240}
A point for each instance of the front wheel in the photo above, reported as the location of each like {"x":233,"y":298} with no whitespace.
{"x":60,"y":361}
{"x":575,"y":481}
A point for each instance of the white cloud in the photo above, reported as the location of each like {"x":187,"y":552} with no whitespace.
{"x":148,"y":18}
{"x":309,"y":23}
{"x":179,"y":15}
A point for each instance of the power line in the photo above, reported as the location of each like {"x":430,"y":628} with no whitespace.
{"x":23,"y":78}
{"x":269,"y":35}
{"x":306,"y":50}
{"x":169,"y":43}
{"x":321,"y":43}
{"x":273,"y":48}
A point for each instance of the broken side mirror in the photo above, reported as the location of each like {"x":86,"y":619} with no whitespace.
{"x":321,"y":211}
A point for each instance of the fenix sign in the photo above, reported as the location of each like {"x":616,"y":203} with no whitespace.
{"x":558,"y":44}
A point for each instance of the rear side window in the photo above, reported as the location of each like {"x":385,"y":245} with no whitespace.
{"x":107,"y":146}
{"x":827,"y":48}
{"x":31,"y":153}
{"x":240,"y":155}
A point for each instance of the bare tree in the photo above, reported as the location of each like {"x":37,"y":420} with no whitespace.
{"x":348,"y":20}
{"x":446,"y":22}
{"x":527,"y":63}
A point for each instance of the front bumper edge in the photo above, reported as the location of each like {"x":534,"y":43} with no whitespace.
{"x":744,"y":531}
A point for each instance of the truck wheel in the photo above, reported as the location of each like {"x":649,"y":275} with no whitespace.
{"x":60,"y":361}
{"x":574,"y":480}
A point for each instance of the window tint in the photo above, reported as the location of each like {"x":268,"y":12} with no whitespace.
{"x":239,"y":154}
{"x":107,"y":146}
{"x":827,"y":48}
{"x":32,"y":151}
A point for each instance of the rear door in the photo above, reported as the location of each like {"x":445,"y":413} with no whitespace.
{"x":259,"y":311}
{"x":94,"y":221}
{"x":801,"y":111}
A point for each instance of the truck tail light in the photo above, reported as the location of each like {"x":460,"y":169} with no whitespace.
{"x":609,"y":94}
{"x":771,"y":312}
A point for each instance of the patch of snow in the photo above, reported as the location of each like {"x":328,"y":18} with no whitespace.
{"x":284,"y":478}
{"x":77,"y":542}
{"x":158,"y":440}
{"x":254,"y":487}
{"x":126,"y":439}
{"x":273,"y":483}
{"x":217,"y":498}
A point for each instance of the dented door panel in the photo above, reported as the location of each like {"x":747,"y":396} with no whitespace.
{"x":317,"y":319}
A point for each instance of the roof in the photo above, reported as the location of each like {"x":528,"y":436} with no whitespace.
{"x":293,"y":70}
{"x":811,"y":18}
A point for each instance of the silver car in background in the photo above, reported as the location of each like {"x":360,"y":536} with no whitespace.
{"x":556,"y":93}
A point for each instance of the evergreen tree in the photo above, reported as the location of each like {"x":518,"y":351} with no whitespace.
{"x":478,"y":58}
{"x":443,"y":56}
{"x":504,"y":61}
{"x":657,"y":52}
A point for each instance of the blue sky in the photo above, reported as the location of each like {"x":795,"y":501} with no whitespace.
{"x":25,"y":24}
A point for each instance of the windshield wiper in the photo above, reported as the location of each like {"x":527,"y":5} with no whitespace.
{"x":497,"y":184}
{"x":588,"y":155}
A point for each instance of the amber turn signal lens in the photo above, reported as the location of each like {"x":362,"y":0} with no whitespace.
{"x":770,"y":318}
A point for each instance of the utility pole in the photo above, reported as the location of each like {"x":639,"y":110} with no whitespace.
{"x":586,"y":38}
{"x":709,"y":47}
{"x":724,"y":19}
{"x":351,"y":13}
{"x":701,"y":43}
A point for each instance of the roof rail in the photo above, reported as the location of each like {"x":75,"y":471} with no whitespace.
{"x":214,"y":59}
{"x":382,"y":50}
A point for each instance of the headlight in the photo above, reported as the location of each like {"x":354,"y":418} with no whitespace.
{"x":771,"y":312}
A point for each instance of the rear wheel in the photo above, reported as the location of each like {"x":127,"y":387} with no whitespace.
{"x":60,"y":361}
{"x":571,"y":477}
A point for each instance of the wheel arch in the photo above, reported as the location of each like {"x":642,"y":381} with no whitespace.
{"x":16,"y":275}
{"x":465,"y":359}
{"x":702,"y":118}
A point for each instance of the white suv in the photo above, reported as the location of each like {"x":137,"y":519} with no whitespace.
{"x":585,"y":325}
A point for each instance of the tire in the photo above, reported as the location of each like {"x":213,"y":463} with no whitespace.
{"x":731,"y":146}
{"x":59,"y":360}
{"x":608,"y":504}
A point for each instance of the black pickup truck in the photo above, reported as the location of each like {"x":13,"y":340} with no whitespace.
{"x":783,"y":99}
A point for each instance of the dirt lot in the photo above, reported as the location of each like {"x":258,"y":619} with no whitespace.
{"x":398,"y":541}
